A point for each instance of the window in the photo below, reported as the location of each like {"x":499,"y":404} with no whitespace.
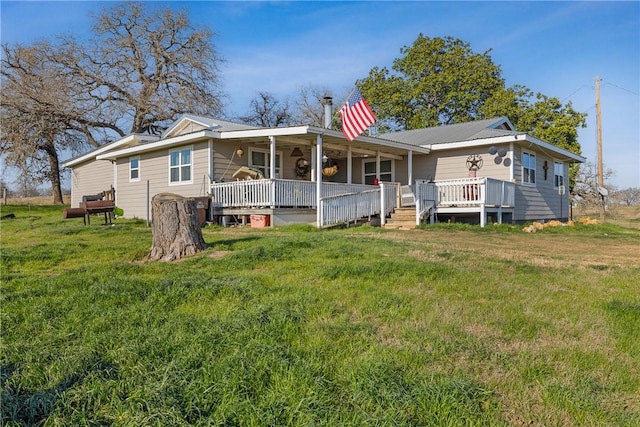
{"x":528,"y":168}
{"x":134,"y":169}
{"x":386,"y":171}
{"x":259,"y":159}
{"x":180,"y":166}
{"x":558,"y":174}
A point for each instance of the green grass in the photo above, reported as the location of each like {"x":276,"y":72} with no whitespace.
{"x":447,"y":325}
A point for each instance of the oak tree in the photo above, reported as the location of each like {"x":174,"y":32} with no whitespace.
{"x":543,"y":117}
{"x":35,"y":105}
{"x":267,"y":111}
{"x":143,"y":68}
{"x":439,"y":81}
{"x":436,"y":81}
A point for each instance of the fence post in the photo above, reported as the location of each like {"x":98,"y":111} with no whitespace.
{"x":148,"y":203}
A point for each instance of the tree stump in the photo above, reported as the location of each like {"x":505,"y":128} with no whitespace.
{"x":176,"y":228}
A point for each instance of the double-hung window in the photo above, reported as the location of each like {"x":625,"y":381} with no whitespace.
{"x":528,"y":168}
{"x":134,"y":169}
{"x":558,"y":174}
{"x":370,"y":172}
{"x":259,"y":159}
{"x":180,"y":166}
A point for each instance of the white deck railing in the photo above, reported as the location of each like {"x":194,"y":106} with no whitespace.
{"x":426,"y":199}
{"x":285,"y":193}
{"x":469,"y":192}
{"x":344,"y":208}
{"x":342,"y":203}
{"x":500,"y":193}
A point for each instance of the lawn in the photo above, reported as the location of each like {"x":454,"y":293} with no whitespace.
{"x":444,"y":325}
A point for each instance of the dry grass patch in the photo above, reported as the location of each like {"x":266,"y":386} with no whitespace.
{"x":542,"y":250}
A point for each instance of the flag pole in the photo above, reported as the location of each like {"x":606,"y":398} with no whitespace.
{"x":336,"y":113}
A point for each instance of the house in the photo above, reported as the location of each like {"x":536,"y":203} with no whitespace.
{"x":481,"y":171}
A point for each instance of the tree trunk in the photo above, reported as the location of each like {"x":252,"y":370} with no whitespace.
{"x":176,"y":228}
{"x":54,"y":173}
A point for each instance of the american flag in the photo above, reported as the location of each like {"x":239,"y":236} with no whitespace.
{"x":356,"y":115}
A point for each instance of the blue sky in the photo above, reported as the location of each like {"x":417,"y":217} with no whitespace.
{"x":557,"y":48}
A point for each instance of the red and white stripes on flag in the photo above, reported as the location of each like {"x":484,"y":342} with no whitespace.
{"x":356,"y":115}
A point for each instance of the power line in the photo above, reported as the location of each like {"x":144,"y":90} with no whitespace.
{"x":575,"y":91}
{"x":622,"y":88}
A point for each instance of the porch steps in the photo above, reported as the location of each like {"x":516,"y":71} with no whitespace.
{"x":402,"y":219}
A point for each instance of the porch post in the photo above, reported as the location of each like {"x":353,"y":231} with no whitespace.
{"x":314,"y":163}
{"x":483,"y":203}
{"x":501,"y":203}
{"x":318,"y":181}
{"x":349,"y":165}
{"x":410,"y":167}
{"x":383,"y":216}
{"x":378,"y":165}
{"x":272,"y":157}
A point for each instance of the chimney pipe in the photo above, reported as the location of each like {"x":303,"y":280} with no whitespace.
{"x":327,"y":101}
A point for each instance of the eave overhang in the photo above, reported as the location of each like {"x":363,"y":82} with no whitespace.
{"x":95,"y":154}
{"x":302,"y":135}
{"x":522,"y":139}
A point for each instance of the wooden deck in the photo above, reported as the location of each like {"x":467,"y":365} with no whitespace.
{"x":295,"y":201}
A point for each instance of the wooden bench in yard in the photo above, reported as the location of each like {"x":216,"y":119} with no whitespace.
{"x":97,"y":207}
{"x":91,"y":205}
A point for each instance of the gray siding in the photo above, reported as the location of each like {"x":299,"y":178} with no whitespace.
{"x":92,"y":177}
{"x":424,"y":166}
{"x":224,"y":162}
{"x":452,"y":164}
{"x":154,"y":167}
{"x":539,"y":202}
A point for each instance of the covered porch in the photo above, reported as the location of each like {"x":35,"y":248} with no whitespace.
{"x":334,"y":186}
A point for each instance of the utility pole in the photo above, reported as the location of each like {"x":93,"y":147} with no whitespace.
{"x":601,"y":189}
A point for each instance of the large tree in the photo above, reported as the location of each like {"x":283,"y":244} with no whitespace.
{"x":543,"y":117}
{"x":441,"y":81}
{"x":267,"y":111}
{"x":146,"y":66}
{"x":436,"y":81}
{"x":143,"y":68}
{"x":309,"y":105}
{"x":34,"y":105}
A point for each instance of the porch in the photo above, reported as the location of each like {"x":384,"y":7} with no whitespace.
{"x":296,"y":201}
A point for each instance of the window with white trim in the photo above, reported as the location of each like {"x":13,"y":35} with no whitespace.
{"x":528,"y":168}
{"x":370,"y":172}
{"x":134,"y":168}
{"x":558,"y":174}
{"x":259,"y":159}
{"x":180,"y":166}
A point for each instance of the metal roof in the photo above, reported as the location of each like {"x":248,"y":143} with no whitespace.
{"x":467,"y":131}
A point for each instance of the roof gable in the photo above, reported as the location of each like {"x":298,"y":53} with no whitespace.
{"x":189,"y":123}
